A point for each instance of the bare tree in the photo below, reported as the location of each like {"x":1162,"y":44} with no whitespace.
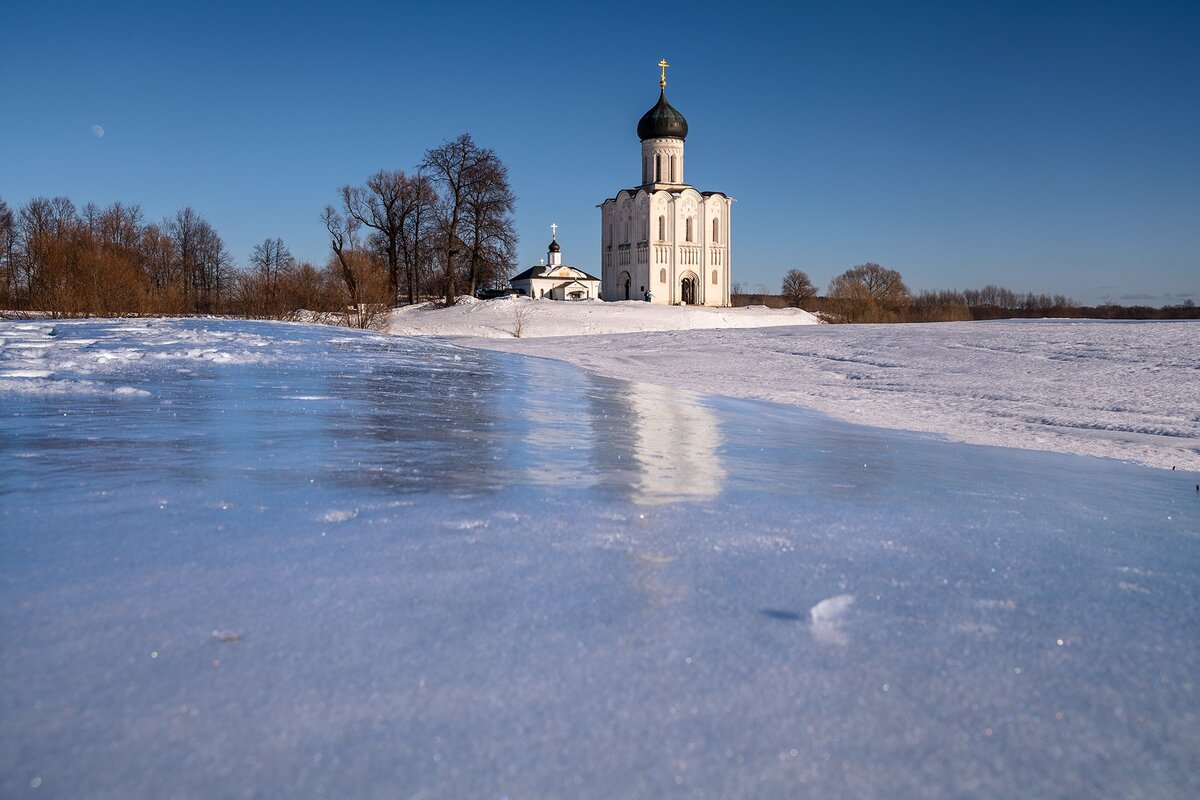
{"x":520,"y":316}
{"x":8,"y":253}
{"x":452,"y":166}
{"x":41,"y":215}
{"x":991,"y":302}
{"x":418,"y":244}
{"x":166,"y":290}
{"x":312,"y":290}
{"x":43,"y":267}
{"x":117,"y":271}
{"x":363,"y":273}
{"x":106,"y":261}
{"x":797,"y":288}
{"x":489,"y":232}
{"x":202,"y":258}
{"x":385,"y":205}
{"x":341,"y":241}
{"x":119,"y":227}
{"x":270,"y":261}
{"x":869,"y":293}
{"x":939,"y":306}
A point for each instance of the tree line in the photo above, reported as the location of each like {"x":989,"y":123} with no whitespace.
{"x":443,"y":229}
{"x":872,"y":293}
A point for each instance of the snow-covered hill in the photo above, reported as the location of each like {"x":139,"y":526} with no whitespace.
{"x":503,"y":318}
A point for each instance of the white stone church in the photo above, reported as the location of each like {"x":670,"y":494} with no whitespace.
{"x":555,"y":280}
{"x":663,"y":240}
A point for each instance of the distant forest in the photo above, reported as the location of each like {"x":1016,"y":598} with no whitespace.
{"x":871,"y":293}
{"x":445,"y":230}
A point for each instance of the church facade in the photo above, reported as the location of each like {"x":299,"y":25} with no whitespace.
{"x":555,"y":280}
{"x":663,"y":240}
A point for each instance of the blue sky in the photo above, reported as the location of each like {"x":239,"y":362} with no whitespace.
{"x":1050,"y":147}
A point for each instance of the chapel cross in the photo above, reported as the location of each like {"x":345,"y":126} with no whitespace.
{"x":553,"y":230}
{"x":663,"y":81}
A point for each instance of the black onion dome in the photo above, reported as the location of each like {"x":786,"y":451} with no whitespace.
{"x":662,"y":121}
{"x":554,"y":248}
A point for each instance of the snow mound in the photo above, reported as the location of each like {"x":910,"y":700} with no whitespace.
{"x":507,"y":317}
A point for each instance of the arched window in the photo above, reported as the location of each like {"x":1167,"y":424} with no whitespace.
{"x":714,"y":277}
{"x":657,"y":168}
{"x":716,"y":228}
{"x":645,"y":169}
{"x":662,"y":275}
{"x":689,"y":229}
{"x":672,"y":169}
{"x":662,"y":228}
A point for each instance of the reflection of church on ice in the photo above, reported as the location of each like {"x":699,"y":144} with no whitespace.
{"x":663,"y":239}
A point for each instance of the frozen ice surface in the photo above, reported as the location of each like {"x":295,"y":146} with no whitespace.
{"x":263,"y":560}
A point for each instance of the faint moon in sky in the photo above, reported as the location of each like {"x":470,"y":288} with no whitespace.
{"x":98,"y":131}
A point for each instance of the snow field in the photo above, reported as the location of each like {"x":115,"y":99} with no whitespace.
{"x":1122,"y":390}
{"x":497,"y":319}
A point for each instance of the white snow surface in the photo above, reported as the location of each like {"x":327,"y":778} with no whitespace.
{"x":1125,"y":390}
{"x":246,"y":559}
{"x":542,"y":318}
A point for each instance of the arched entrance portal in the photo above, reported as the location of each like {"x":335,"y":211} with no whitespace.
{"x":687,"y":289}
{"x":624,"y":283}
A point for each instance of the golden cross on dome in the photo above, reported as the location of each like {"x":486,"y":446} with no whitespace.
{"x":663,"y":81}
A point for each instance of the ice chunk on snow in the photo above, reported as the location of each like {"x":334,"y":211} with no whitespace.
{"x":26,"y":373}
{"x":827,"y":617}
{"x":831,"y":610}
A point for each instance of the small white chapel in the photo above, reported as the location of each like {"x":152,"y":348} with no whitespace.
{"x":663,"y":240}
{"x":555,"y":280}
